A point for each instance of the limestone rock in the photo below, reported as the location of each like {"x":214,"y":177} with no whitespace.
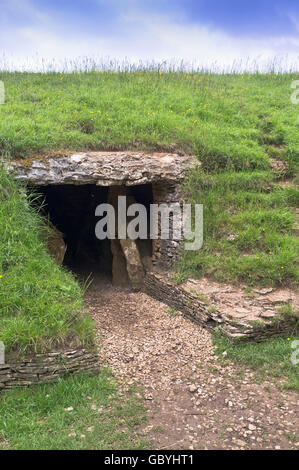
{"x":134,"y":264}
{"x":120,"y":276}
{"x":127,"y":266}
{"x":268,"y":314}
{"x":103,"y":168}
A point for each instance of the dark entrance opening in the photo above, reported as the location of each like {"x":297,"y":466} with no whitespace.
{"x":71,"y":209}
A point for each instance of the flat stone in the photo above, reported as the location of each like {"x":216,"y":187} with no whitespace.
{"x":263,"y":291}
{"x":236,"y":314}
{"x":120,"y":276}
{"x":279,"y":297}
{"x":103,"y":168}
{"x":268,"y":314}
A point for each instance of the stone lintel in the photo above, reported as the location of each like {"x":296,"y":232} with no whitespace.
{"x":103,"y":168}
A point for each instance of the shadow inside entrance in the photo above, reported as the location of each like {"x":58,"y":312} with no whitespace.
{"x":71,"y":210}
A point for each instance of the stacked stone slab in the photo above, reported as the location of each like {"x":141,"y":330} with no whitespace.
{"x":48,"y":367}
{"x":159,"y":286}
{"x":166,"y":252}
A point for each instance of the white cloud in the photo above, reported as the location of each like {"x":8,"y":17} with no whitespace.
{"x":201,"y":43}
{"x":144,"y":37}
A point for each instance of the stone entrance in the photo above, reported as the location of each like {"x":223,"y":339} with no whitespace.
{"x":74,"y":185}
{"x":70,"y":210}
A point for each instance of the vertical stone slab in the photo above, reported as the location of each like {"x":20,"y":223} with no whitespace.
{"x":134,"y":264}
{"x":120,"y":276}
{"x":127,"y":266}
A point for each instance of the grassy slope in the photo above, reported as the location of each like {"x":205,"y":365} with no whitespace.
{"x":225,"y":120}
{"x":248,"y":228}
{"x":234,"y":124}
{"x":38,"y":299}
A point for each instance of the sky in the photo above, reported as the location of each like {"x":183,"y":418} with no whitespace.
{"x":202,"y":32}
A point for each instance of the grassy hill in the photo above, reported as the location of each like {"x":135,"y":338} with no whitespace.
{"x":239,"y":127}
{"x":242,"y":128}
{"x":228,"y":121}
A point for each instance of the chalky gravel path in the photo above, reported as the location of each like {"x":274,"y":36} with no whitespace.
{"x":193,"y":400}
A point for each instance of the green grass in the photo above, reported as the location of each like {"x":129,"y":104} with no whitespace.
{"x":248,"y":229}
{"x":229,"y":121}
{"x":269,"y":359}
{"x":41,"y":304}
{"x":37,"y":417}
{"x":234,"y":124}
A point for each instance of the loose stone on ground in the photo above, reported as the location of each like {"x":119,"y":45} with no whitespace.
{"x":192,"y":399}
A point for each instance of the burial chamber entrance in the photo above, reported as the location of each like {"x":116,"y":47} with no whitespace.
{"x":71,"y":214}
{"x":72,"y":186}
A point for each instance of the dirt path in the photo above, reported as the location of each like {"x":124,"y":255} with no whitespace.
{"x":193,"y":401}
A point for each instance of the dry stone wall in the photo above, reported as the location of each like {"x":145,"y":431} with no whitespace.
{"x":166,"y":252}
{"x":44,"y":368}
{"x":201,"y":311}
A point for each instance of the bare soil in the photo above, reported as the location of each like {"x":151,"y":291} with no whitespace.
{"x":194,"y":400}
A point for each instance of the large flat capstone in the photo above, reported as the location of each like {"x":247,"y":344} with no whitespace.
{"x":103,"y":168}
